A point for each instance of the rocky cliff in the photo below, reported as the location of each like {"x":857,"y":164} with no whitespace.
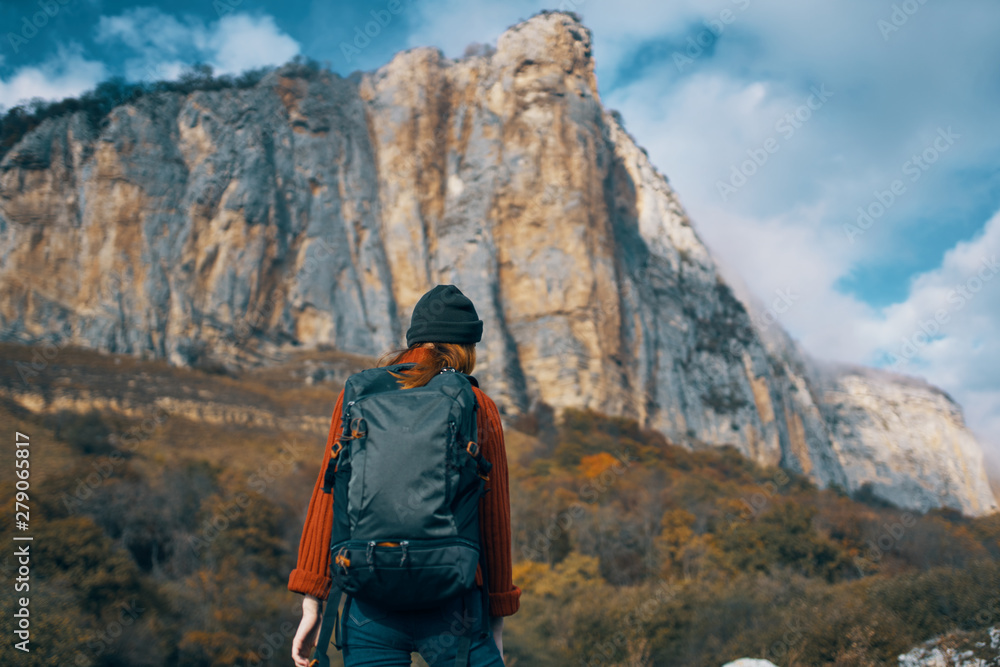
{"x":312,"y":211}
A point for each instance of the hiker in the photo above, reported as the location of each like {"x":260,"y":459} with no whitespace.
{"x":444,"y":329}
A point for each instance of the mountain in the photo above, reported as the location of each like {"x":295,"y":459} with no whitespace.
{"x":311,"y":211}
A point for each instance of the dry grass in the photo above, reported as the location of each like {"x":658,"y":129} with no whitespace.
{"x":521,"y":447}
{"x":48,"y":454}
{"x":279,"y":390}
{"x":240,"y":452}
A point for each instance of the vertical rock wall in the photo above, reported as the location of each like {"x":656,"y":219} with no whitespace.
{"x":313,"y":211}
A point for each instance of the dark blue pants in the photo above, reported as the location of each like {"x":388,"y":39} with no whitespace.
{"x":375,"y":637}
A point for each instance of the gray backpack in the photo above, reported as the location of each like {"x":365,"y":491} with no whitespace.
{"x":406,"y":477}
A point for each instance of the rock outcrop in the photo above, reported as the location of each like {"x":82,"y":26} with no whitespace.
{"x":312,"y":211}
{"x":953,"y":650}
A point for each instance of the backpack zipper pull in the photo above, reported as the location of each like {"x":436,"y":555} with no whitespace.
{"x":404,"y":544}
{"x":345,"y":431}
{"x":345,"y":415}
{"x":369,"y":556}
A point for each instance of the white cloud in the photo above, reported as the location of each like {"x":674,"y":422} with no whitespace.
{"x":243,"y":42}
{"x":946,"y":331}
{"x":947,"y":326}
{"x":158,"y":46}
{"x":152,"y":32}
{"x":161,"y":44}
{"x":785,"y":227}
{"x":65,"y":74}
{"x":452,"y":25}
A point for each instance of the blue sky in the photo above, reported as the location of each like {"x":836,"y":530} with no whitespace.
{"x":887,"y":106}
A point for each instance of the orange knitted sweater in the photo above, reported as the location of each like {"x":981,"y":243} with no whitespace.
{"x":312,"y":573}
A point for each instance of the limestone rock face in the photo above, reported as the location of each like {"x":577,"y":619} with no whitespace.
{"x":312,"y":211}
{"x":905,"y":439}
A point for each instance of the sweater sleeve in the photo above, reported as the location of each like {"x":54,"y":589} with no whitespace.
{"x":312,"y":572}
{"x":494,"y":513}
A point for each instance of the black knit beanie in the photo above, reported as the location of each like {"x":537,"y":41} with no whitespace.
{"x":444,"y":315}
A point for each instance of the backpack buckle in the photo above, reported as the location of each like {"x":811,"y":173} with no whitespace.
{"x":482,"y":465}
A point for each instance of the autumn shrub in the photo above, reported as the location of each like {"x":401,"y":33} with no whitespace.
{"x":629,"y":550}
{"x":88,"y":433}
{"x":783,"y":536}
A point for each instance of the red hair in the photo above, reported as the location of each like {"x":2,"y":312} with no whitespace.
{"x":460,"y":356}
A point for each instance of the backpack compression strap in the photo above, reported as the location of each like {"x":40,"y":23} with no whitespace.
{"x":347,"y":432}
{"x":329,"y":630}
{"x":464,"y":645}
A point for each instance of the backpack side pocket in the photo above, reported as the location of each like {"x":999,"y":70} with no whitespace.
{"x":341,"y":519}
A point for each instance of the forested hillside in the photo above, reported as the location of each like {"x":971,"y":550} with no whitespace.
{"x":161,"y":539}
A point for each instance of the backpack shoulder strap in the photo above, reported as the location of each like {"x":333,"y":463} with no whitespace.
{"x":373,"y":381}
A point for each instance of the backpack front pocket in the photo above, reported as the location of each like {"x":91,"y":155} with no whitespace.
{"x":405,"y":574}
